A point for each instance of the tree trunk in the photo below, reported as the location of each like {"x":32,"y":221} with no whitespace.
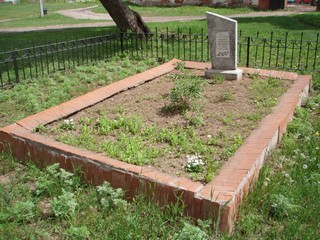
{"x":125,"y":18}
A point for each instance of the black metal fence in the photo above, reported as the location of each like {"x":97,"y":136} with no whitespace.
{"x":254,"y":51}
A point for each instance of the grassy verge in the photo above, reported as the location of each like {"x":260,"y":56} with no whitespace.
{"x":294,"y":25}
{"x":285,"y":203}
{"x":150,"y":11}
{"x":9,"y":11}
{"x":55,"y":204}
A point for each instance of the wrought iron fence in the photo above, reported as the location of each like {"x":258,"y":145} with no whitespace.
{"x":30,"y":63}
{"x":254,"y":51}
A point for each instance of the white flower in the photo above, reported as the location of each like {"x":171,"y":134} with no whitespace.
{"x":305,"y":166}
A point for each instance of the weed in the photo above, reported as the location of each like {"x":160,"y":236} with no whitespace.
{"x":68,"y":124}
{"x":48,"y":183}
{"x":217,"y":79}
{"x":23,"y":211}
{"x":39,"y":129}
{"x":281,"y":206}
{"x":196,"y":121}
{"x":185,"y":92}
{"x":194,"y":163}
{"x":77,"y":232}
{"x":110,"y":198}
{"x":191,"y":232}
{"x":180,"y":66}
{"x":226,"y":95}
{"x":64,"y":206}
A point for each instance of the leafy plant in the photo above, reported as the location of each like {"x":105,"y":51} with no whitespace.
{"x":110,"y":198}
{"x":281,"y":206}
{"x":189,"y":232}
{"x":53,"y":180}
{"x":23,"y":211}
{"x":185,"y":92}
{"x":64,"y":206}
{"x":77,"y":232}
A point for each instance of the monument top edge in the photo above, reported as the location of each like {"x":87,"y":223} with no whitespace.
{"x":220,"y":16}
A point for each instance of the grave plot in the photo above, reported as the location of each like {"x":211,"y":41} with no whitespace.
{"x":218,"y":195}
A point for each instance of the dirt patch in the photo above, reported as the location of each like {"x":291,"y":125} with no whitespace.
{"x":7,"y":178}
{"x":213,"y":129}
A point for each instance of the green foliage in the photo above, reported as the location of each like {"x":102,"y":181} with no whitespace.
{"x":23,"y":211}
{"x":310,"y":19}
{"x":280,"y":206}
{"x":185,"y":92}
{"x":64,"y":206}
{"x":285,"y":199}
{"x":265,"y":92}
{"x":77,"y":233}
{"x":191,"y":232}
{"x":27,"y":98}
{"x":53,"y":179}
{"x":110,"y":198}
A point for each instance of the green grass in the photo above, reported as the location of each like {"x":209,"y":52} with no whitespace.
{"x":47,"y":20}
{"x":28,"y":98}
{"x":53,"y":203}
{"x":294,"y":25}
{"x":25,"y":10}
{"x":285,"y":203}
{"x":278,"y":207}
{"x":150,"y":11}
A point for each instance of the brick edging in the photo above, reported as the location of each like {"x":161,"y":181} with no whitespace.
{"x":221,"y":197}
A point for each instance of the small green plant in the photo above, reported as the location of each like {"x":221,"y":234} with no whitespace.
{"x":189,"y":232}
{"x":180,"y":66}
{"x":110,"y":198}
{"x":217,"y":79}
{"x":196,"y":121}
{"x":185,"y":92}
{"x":54,"y":178}
{"x":64,"y":206}
{"x":23,"y":211}
{"x":77,"y":232}
{"x":226,"y":95}
{"x":281,"y":206}
{"x":68,"y":124}
{"x":194,"y":163}
{"x":39,"y":129}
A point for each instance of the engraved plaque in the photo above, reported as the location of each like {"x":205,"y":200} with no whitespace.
{"x":222,"y":45}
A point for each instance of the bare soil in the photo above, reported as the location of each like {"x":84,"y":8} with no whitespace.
{"x":224,"y":118}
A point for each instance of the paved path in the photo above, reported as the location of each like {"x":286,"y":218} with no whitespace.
{"x":106,"y":20}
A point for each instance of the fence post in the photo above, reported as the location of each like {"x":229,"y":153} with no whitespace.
{"x":121,"y":42}
{"x":15,"y":65}
{"x":248,"y":51}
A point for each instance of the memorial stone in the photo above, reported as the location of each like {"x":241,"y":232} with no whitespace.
{"x":223,"y":39}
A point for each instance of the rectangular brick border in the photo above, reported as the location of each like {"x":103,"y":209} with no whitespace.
{"x":219,"y":199}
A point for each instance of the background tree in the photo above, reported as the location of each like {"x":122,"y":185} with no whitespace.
{"x":125,"y":18}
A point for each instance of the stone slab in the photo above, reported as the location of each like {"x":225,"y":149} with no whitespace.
{"x":227,"y":74}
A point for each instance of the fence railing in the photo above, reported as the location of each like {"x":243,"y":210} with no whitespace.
{"x":254,"y":51}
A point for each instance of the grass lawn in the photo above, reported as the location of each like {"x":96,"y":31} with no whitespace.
{"x":150,"y":11}
{"x":52,"y":203}
{"x":308,"y":24}
{"x":25,"y":10}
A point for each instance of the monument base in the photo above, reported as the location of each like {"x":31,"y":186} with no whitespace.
{"x":227,"y":74}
